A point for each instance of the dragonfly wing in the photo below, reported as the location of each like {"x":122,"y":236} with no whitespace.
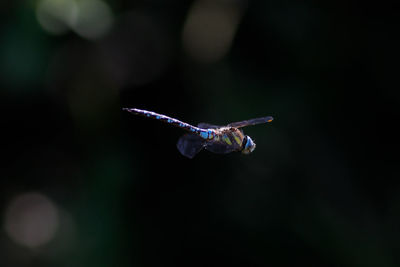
{"x":204,"y":125}
{"x":219,"y":147}
{"x":190,"y":144}
{"x":256,"y":121}
{"x":212,"y":126}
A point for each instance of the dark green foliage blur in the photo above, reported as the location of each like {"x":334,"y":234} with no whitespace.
{"x":321,"y":189}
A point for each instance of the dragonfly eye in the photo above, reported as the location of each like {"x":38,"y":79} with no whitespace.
{"x":249,"y":145}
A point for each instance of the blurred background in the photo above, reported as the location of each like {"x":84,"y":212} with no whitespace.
{"x":85,"y":184}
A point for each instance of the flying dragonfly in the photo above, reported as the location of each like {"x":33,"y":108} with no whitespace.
{"x":217,"y":139}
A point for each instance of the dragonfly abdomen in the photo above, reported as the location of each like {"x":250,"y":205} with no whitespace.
{"x":203,"y":133}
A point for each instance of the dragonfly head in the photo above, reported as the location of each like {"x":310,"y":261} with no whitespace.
{"x":248,"y":145}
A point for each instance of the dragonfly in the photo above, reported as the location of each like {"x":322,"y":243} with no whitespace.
{"x":217,"y":139}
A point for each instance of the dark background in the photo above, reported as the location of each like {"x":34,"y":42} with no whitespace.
{"x":321,"y":188}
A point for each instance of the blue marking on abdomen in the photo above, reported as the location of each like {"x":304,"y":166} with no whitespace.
{"x":204,"y":135}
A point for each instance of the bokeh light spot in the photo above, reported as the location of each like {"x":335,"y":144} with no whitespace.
{"x":94,"y":19}
{"x":90,"y":19}
{"x":56,"y":16}
{"x":31,"y":220}
{"x":210,"y":28}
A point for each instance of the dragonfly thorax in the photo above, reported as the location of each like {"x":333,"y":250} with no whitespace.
{"x":234,"y":138}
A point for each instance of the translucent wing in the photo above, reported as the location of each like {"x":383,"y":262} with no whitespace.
{"x":190,"y":144}
{"x":219,"y":147}
{"x":204,"y":125}
{"x":240,"y":124}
